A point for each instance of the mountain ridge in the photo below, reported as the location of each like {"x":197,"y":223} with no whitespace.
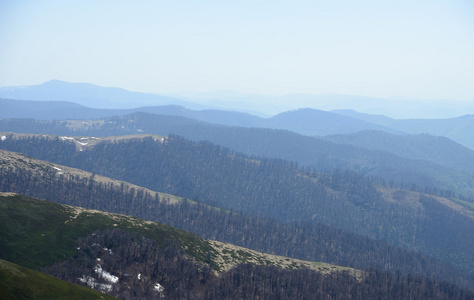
{"x":308,"y":121}
{"x":340,"y":196}
{"x":318,"y":242}
{"x":317,"y":153}
{"x":87,"y":94}
{"x":103,"y":248}
{"x":93,"y":95}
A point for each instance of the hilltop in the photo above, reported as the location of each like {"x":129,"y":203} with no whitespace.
{"x":55,"y":238}
{"x":112,"y":253}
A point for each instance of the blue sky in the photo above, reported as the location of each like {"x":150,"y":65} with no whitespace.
{"x":418,"y":49}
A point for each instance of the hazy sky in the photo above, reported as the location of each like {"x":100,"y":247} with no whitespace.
{"x":416,"y":48}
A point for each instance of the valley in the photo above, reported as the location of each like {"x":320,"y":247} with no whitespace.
{"x":237,"y":150}
{"x":351,"y":202}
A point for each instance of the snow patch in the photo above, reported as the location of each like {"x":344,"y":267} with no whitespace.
{"x":3,"y":137}
{"x":57,"y":168}
{"x":139,"y":276}
{"x":106,"y":275}
{"x":110,"y":250}
{"x":159,"y":288}
{"x":83,"y":144}
{"x":90,"y":282}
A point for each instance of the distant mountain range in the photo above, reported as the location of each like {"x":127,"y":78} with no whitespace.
{"x":423,"y":160}
{"x":262,"y":105}
{"x":396,"y":107}
{"x":391,"y":200}
{"x":410,"y":150}
{"x":89,"y":95}
{"x":307,"y":121}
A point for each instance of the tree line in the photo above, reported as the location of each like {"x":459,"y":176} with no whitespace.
{"x":139,"y":265}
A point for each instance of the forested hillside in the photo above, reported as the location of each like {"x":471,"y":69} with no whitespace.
{"x":434,"y":174}
{"x":436,"y":149}
{"x":304,"y":240}
{"x":347,"y":191}
{"x":304,"y":121}
{"x":112,"y":253}
{"x":237,"y":150}
{"x":273,"y":188}
{"x":458,"y":129}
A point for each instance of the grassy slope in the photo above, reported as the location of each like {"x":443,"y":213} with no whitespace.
{"x":17,"y":282}
{"x":37,"y":233}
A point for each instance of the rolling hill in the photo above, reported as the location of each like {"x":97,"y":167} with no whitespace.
{"x":314,"y":122}
{"x":304,"y":121}
{"x":458,"y":129}
{"x":435,"y":173}
{"x":131,"y":258}
{"x":436,"y":149}
{"x":304,"y":240}
{"x":307,"y":121}
{"x":362,"y":194}
{"x":112,"y":253}
{"x":270,"y":188}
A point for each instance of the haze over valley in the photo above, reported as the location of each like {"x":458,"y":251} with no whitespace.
{"x":237,"y":150}
{"x":354,"y":181}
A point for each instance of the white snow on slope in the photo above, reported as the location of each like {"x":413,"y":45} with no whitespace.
{"x":106,"y":275}
{"x":158,"y":287}
{"x":4,"y":137}
{"x":110,"y":250}
{"x":90,"y":282}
